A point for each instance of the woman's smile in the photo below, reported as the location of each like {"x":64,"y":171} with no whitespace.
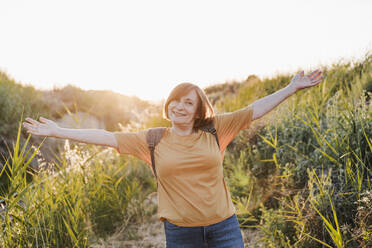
{"x":178,"y":114}
{"x":182,"y":110}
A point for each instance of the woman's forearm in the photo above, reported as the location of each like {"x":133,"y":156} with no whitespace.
{"x":266,"y":104}
{"x":298,"y":82}
{"x":90,"y":136}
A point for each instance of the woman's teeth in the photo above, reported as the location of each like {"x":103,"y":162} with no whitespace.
{"x":178,"y":114}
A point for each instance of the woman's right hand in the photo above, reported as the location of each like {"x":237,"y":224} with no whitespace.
{"x":43,"y":128}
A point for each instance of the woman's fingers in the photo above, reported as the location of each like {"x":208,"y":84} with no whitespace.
{"x":42,"y":128}
{"x":318,"y":76}
{"x":32,"y":121}
{"x":44,"y":120}
{"x":316,"y":81}
{"x":29,"y":127}
{"x":312,"y":74}
{"x":315,"y":75}
{"x":38,"y":130}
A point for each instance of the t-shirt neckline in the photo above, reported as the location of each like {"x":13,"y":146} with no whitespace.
{"x":182,"y":136}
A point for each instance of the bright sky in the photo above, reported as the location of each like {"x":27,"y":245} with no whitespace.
{"x":145,"y":48}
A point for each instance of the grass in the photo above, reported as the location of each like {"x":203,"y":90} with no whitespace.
{"x":89,"y":195}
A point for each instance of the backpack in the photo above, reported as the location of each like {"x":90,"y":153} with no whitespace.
{"x":154,"y":135}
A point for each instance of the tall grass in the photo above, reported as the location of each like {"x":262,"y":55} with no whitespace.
{"x":90,"y":193}
{"x":316,"y":162}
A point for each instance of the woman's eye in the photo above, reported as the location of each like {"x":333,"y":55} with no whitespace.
{"x":189,"y":103}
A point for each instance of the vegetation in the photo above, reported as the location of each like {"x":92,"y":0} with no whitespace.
{"x":75,"y":204}
{"x":312,"y":166}
{"x":16,"y":99}
{"x":300,"y":177}
{"x":109,"y":107}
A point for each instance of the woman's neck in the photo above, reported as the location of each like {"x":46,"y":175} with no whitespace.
{"x":182,"y":130}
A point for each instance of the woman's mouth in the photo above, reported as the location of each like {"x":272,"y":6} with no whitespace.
{"x":177,"y":114}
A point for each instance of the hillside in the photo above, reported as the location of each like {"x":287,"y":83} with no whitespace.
{"x":299,"y":177}
{"x":69,"y":106}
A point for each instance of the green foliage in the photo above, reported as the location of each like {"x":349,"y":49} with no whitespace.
{"x":116,"y":196}
{"x":91,"y":194}
{"x":317,"y":159}
{"x":16,"y":100}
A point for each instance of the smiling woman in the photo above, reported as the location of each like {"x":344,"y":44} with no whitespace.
{"x":194,"y":201}
{"x":188,"y":107}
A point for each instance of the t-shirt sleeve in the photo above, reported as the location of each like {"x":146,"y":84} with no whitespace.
{"x":133,"y":143}
{"x":228,"y":125}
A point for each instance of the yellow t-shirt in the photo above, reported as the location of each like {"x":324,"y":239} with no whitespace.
{"x":191,"y":187}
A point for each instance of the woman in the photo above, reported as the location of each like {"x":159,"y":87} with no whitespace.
{"x":194,"y":202}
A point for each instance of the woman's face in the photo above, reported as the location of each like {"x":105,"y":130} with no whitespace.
{"x":182,"y":111}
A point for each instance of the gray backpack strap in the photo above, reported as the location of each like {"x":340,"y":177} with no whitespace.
{"x":153,"y":137}
{"x":211,"y":129}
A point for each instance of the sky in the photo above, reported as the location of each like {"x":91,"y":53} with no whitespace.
{"x":145,"y":48}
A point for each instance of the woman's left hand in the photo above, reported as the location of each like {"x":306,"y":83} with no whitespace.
{"x":299,"y":81}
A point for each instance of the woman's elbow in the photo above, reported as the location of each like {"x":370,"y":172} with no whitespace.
{"x":111,"y":140}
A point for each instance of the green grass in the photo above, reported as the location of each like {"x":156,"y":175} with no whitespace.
{"x":90,"y":194}
{"x":316,"y":160}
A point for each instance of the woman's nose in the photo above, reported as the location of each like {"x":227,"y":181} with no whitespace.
{"x":180,"y":105}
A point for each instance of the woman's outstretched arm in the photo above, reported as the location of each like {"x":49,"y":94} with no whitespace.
{"x":90,"y":136}
{"x":299,"y":81}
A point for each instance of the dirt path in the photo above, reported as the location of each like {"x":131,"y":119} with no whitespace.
{"x":151,"y":235}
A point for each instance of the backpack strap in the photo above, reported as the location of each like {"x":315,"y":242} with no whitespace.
{"x":153,"y":137}
{"x":211,"y":129}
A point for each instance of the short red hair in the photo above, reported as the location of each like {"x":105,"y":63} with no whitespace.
{"x":204,"y":110}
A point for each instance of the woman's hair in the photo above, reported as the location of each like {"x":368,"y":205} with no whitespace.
{"x":204,"y":111}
